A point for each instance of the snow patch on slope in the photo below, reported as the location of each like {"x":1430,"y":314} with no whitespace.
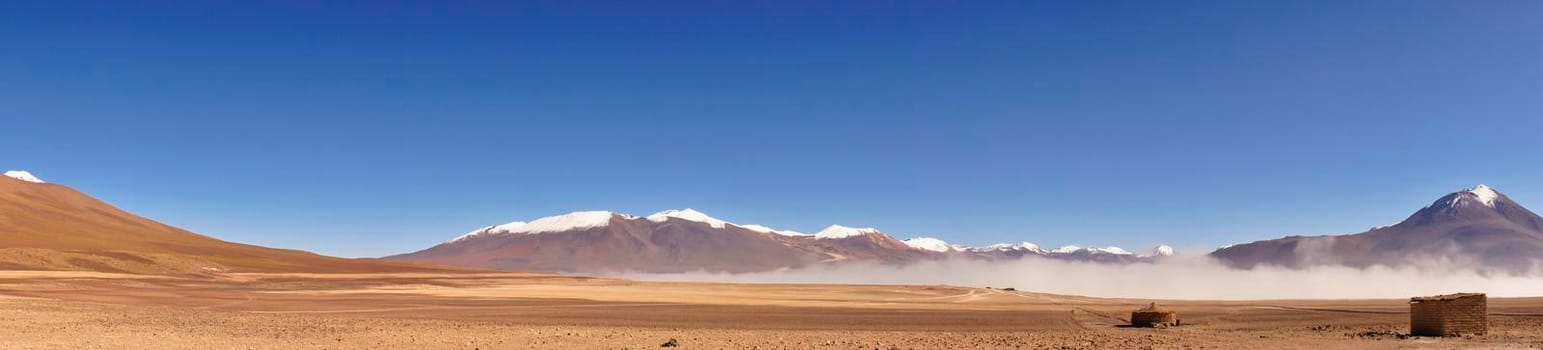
{"x":570,"y":221}
{"x":838,"y":231}
{"x":929,"y":244}
{"x":24,"y":176}
{"x":1093,"y":250}
{"x":764,"y":229}
{"x":566,"y":222}
{"x":1109,"y":250}
{"x":687,"y":214}
{"x":1024,"y":246}
{"x":1066,"y":249}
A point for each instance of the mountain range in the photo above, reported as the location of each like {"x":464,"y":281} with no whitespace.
{"x":1474,"y":228}
{"x":687,"y":240}
{"x":45,"y":226}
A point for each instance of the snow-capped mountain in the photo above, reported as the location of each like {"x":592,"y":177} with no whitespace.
{"x":1020,"y":250}
{"x":1066,"y":249}
{"x":689,"y":215}
{"x":561,"y":223}
{"x":1108,"y":254}
{"x":24,"y":176}
{"x":1000,"y":247}
{"x":1477,"y":227}
{"x":930,"y":244}
{"x":764,"y":229}
{"x":1110,"y":250}
{"x":838,"y":232}
{"x":689,"y":240}
{"x":1481,"y":194}
{"x":681,"y":240}
{"x":1069,"y":249}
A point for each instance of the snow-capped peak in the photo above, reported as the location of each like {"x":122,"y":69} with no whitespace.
{"x":570,"y":221}
{"x":689,"y":215}
{"x":566,"y":222}
{"x":930,"y":244}
{"x":1025,"y":246}
{"x":1162,"y":250}
{"x":838,"y":231}
{"x":1485,"y":194}
{"x":1094,"y":250}
{"x":1110,"y":250}
{"x":24,"y":176}
{"x":1066,"y":249}
{"x":764,"y":229}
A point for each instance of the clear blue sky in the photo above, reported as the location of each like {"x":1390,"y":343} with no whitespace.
{"x":372,"y":129}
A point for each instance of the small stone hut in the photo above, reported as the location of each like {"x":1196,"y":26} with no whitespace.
{"x":1449,"y":315}
{"x":1154,"y":316}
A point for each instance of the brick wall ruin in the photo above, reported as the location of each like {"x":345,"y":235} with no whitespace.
{"x":1448,"y":315}
{"x":1154,"y":318}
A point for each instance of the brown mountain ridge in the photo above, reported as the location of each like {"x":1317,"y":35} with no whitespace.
{"x":46,"y":226}
{"x":686,"y":240}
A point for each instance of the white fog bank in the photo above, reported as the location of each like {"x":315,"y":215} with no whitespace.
{"x":1196,"y":278}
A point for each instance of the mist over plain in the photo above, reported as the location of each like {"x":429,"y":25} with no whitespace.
{"x":1181,"y":277}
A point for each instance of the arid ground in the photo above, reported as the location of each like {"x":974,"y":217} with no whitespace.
{"x":80,"y":310}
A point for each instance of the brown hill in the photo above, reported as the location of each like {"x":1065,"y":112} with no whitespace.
{"x":47,"y":226}
{"x":1476,"y":228}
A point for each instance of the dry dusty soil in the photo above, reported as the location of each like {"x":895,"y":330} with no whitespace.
{"x":83,"y":310}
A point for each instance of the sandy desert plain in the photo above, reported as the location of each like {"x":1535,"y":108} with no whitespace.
{"x":87,"y":310}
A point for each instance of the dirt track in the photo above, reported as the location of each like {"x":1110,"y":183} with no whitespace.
{"x":84,"y":310}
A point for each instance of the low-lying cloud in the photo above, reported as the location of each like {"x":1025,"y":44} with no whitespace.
{"x":1195,"y":278}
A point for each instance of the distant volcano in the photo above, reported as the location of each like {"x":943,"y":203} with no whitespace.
{"x":1474,"y":228}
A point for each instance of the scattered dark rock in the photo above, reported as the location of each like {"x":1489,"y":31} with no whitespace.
{"x":670,"y":344}
{"x":1379,"y":334}
{"x":1010,"y":289}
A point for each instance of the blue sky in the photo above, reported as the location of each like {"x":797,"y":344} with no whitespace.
{"x":366,"y":129}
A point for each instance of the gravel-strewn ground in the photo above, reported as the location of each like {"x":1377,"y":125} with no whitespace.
{"x":115,"y":314}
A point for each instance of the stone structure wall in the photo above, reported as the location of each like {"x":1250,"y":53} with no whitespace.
{"x":1449,"y":315}
{"x":1154,"y":318}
